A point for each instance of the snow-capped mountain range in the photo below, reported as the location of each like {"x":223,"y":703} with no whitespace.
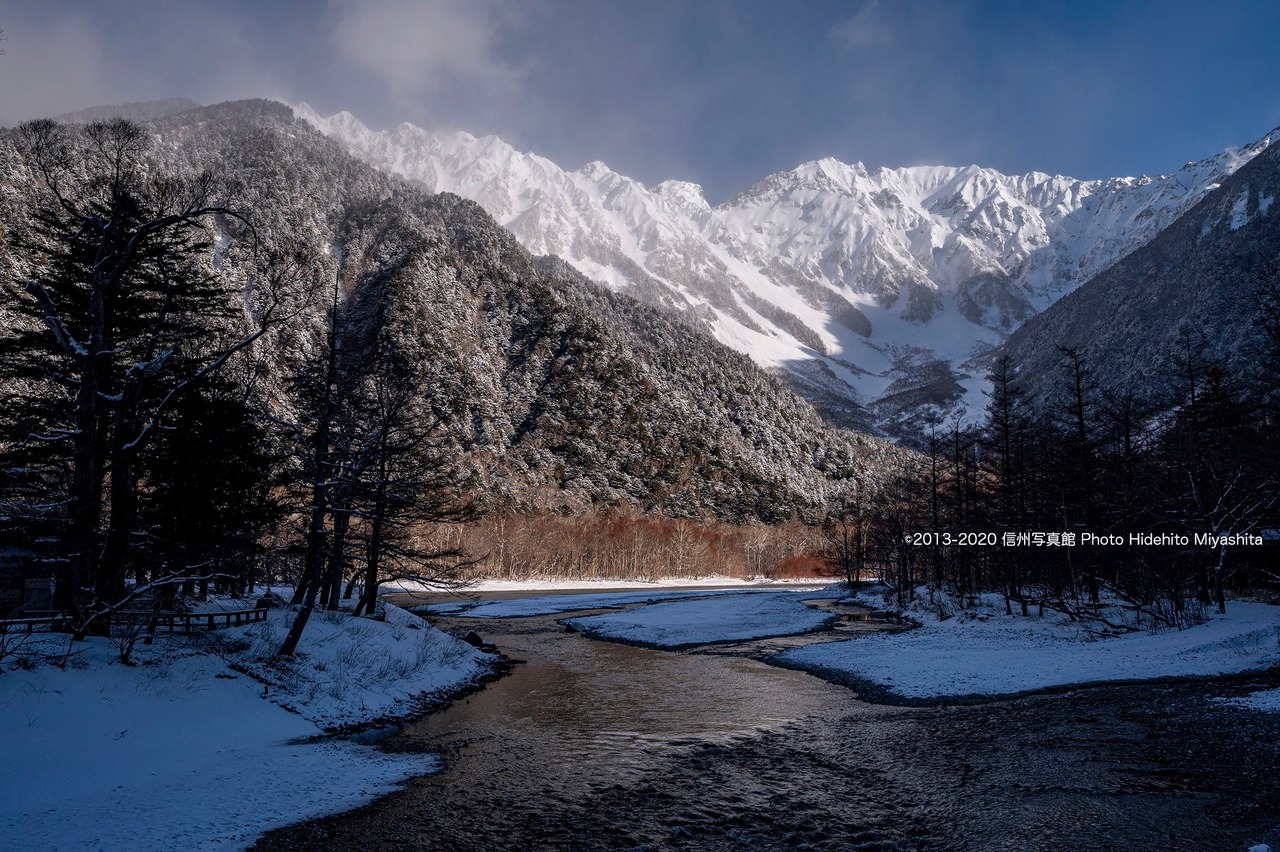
{"x":875,"y":292}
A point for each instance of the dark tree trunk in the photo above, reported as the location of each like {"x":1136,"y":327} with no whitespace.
{"x":332,"y":591}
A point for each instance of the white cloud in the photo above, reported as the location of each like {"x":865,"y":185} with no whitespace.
{"x":419,"y":45}
{"x":865,"y":28}
{"x":57,"y":60}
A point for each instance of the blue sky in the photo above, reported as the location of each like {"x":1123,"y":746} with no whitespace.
{"x":721,"y":93}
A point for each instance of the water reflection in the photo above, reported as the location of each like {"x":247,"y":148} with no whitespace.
{"x":592,"y":745}
{"x":601,"y":707}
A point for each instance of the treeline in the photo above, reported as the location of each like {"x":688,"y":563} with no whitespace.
{"x":1196,"y":456}
{"x":617,"y":545}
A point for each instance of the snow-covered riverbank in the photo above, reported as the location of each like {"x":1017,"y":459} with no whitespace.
{"x":713,"y":619}
{"x":194,"y":746}
{"x":185,"y":750}
{"x":988,"y":653}
{"x":979,"y":652}
{"x":1268,"y":701}
{"x":712,"y":581}
{"x":585,"y":599}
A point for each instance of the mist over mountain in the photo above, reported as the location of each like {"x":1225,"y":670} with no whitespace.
{"x":138,"y":111}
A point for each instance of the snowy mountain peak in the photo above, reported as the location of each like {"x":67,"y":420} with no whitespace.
{"x":307,"y":113}
{"x":348,"y":123}
{"x":342,"y":124}
{"x":595,"y":170}
{"x":876,"y":292}
{"x":845,"y":173}
{"x":683,"y":193}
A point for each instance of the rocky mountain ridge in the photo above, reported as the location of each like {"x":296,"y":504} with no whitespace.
{"x":1198,"y":290}
{"x":877,"y":293}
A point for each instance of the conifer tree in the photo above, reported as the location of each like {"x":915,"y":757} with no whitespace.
{"x":133,"y":321}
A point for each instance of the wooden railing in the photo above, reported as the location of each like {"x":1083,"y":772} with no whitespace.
{"x":189,"y":622}
{"x":171,"y":622}
{"x":44,"y":622}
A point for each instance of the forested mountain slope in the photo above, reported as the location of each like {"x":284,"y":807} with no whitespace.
{"x":1199,"y":290}
{"x":560,"y":394}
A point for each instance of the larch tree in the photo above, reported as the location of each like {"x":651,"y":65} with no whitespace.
{"x":412,"y":482}
{"x":847,"y":529}
{"x":377,"y":465}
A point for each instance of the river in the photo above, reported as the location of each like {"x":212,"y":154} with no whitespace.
{"x":595,"y":745}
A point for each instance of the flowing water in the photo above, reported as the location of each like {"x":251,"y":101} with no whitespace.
{"x":595,"y":745}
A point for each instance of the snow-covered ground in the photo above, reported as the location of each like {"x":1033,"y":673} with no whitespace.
{"x":982,"y":652}
{"x":352,"y":670}
{"x":1268,"y":700}
{"x":182,"y":752}
{"x":712,"y":619}
{"x":1000,"y":655}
